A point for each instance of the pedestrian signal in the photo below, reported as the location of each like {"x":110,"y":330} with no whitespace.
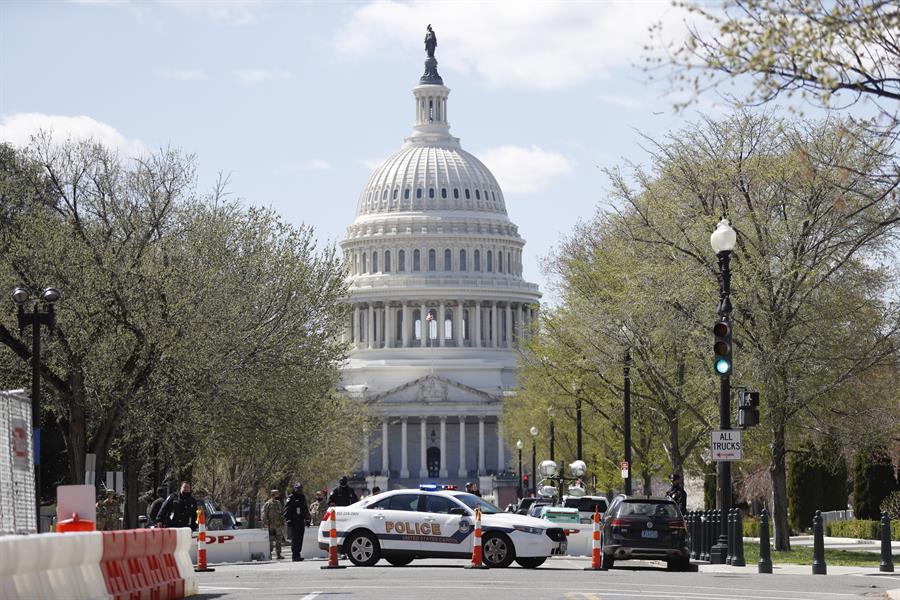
{"x":748,"y":409}
{"x":722,"y":347}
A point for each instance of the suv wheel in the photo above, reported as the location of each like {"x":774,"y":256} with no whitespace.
{"x":497,"y":550}
{"x":362,"y":549}
{"x":531,"y":562}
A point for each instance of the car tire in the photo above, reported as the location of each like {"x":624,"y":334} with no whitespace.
{"x":399,"y":561}
{"x":680,"y":564}
{"x":531,"y":562}
{"x":362,"y":549}
{"x":607,"y":562}
{"x":497,"y":550}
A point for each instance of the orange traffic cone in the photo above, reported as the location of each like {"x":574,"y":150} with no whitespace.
{"x":477,"y":562}
{"x":596,"y":546}
{"x":332,"y":542}
{"x":201,"y":542}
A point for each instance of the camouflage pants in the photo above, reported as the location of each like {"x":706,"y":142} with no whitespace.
{"x":276,"y":539}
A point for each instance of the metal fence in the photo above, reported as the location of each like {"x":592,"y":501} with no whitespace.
{"x":16,"y":464}
{"x":836,"y":515}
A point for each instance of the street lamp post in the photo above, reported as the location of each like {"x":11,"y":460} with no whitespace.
{"x":20,"y":296}
{"x":519,"y":445}
{"x":578,"y":440}
{"x":722,"y":241}
{"x":627,"y":401}
{"x":552,"y":439}
{"x":533,"y":431}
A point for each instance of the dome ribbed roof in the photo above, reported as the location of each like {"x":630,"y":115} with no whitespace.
{"x":437,"y":177}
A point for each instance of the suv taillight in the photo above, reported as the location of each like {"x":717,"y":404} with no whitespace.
{"x":620,"y":523}
{"x":677,"y":525}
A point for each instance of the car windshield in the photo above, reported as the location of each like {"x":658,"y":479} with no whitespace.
{"x":643,"y":508}
{"x":472,"y":501}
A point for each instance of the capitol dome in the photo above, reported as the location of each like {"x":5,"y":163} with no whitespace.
{"x":438,"y":305}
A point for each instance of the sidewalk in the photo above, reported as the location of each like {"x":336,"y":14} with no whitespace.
{"x":837,"y":543}
{"x":792,"y":569}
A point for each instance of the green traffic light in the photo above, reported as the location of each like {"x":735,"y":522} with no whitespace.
{"x":722,"y":366}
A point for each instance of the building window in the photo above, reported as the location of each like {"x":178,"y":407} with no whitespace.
{"x":364,"y":262}
{"x":387,"y":261}
{"x":406,"y":194}
{"x":431,"y":192}
{"x":384,"y":195}
{"x":418,"y":192}
{"x":396,"y":191}
{"x":508,"y":262}
{"x":478,"y":260}
{"x":416,"y":262}
{"x":401,"y":261}
{"x":443,"y":192}
{"x":462,"y":260}
{"x":493,"y":197}
{"x":456,"y":193}
{"x":432,"y":260}
{"x":448,"y":260}
{"x":467,"y":194}
{"x":374,"y":262}
{"x":490,"y":261}
{"x":500,"y":261}
{"x":477,"y":195}
{"x":448,"y":324}
{"x":417,"y":324}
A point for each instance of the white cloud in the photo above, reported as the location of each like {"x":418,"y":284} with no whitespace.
{"x":232,"y":12}
{"x":371,"y":163}
{"x":251,"y":76}
{"x":525,"y":169}
{"x":18,"y":129}
{"x":539,"y":44}
{"x":185,"y":74}
{"x":315,"y":164}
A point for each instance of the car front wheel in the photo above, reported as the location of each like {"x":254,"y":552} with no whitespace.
{"x":531,"y":562}
{"x":398,"y":561}
{"x":497,"y":550}
{"x":362,"y":549}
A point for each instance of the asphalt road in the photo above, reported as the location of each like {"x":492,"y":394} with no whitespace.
{"x":562,"y":578}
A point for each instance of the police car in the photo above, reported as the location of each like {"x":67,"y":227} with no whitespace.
{"x":402,"y":525}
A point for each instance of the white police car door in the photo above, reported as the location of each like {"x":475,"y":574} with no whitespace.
{"x":446,"y":532}
{"x":396,"y":522}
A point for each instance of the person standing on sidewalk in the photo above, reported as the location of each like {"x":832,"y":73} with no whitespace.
{"x":274,"y":522}
{"x":676,"y":492}
{"x":296,"y":514}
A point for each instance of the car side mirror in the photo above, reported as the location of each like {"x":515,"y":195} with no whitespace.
{"x":458,"y":510}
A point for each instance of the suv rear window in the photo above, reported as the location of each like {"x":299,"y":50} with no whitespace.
{"x":587,"y":504}
{"x":647,"y":508}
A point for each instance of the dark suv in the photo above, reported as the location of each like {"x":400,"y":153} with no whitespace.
{"x":643,"y":527}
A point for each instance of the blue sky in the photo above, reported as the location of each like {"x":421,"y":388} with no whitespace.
{"x":299,"y":101}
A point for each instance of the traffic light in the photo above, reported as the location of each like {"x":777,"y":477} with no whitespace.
{"x":722,"y":347}
{"x":525,"y":483}
{"x":748,"y":409}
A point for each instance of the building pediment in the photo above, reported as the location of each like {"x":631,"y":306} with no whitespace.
{"x":432,"y":389}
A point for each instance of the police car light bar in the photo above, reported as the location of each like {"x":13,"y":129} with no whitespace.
{"x":436,"y":487}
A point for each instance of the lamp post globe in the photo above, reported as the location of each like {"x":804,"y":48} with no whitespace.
{"x":50,"y":295}
{"x":519,"y":444}
{"x":19,"y":295}
{"x":723,"y":238}
{"x":533,"y":431}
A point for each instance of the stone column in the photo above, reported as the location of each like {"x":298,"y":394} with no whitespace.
{"x":365,"y":456}
{"x":443,"y":446}
{"x":477,"y":323}
{"x":405,"y":323}
{"x":440,"y":324}
{"x":388,"y":326}
{"x":495,"y":326}
{"x":423,"y":466}
{"x":385,"y":467}
{"x":404,"y":455}
{"x":355,"y":337}
{"x":481,"y":445}
{"x":460,"y":330}
{"x":423,"y":325}
{"x":520,"y":326}
{"x":501,"y":450}
{"x":509,"y":334}
{"x":462,"y":472}
{"x":370,"y":327}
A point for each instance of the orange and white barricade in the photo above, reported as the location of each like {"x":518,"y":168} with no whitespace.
{"x":596,"y":545}
{"x":201,"y":543}
{"x":477,"y":562}
{"x":332,"y":542}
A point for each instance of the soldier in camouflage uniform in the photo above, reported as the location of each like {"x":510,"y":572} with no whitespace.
{"x":317,"y":509}
{"x":109,"y":510}
{"x":274,"y":521}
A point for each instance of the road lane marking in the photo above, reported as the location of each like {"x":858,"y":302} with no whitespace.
{"x":311,"y":595}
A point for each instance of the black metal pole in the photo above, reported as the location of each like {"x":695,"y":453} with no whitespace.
{"x":887,"y":562}
{"x":519,"y":490}
{"x":719,"y":552}
{"x":627,"y":416}
{"x":533,"y":467}
{"x":552,"y":441}
{"x":765,"y":552}
{"x":36,"y":409}
{"x":578,"y":439}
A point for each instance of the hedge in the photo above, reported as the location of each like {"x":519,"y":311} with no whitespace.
{"x":858,"y":528}
{"x":751,"y":527}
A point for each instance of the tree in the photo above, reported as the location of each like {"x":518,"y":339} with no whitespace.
{"x":831,"y":53}
{"x":873,"y":481}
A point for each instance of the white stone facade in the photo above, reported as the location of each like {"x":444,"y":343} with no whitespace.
{"x":432,"y":238}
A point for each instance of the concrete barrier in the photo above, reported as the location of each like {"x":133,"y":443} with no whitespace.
{"x":235,"y":545}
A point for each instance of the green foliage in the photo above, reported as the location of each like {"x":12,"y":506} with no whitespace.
{"x":817,"y":480}
{"x":873,"y":481}
{"x":752,"y":529}
{"x":861,"y":529}
{"x":891,"y":506}
{"x":709,"y":486}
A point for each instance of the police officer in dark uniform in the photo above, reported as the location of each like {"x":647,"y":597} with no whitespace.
{"x":677,"y":493}
{"x":342,"y":495}
{"x":155,"y":506}
{"x":296,"y":515}
{"x":179,"y":509}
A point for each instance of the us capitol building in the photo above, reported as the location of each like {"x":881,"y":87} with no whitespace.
{"x":438,"y":303}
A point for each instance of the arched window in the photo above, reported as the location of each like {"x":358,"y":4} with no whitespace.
{"x":467,"y":194}
{"x":401,"y":261}
{"x":443,"y":192}
{"x":374,"y":262}
{"x":478,"y":260}
{"x":432,"y":327}
{"x":456,"y":193}
{"x":432,"y":260}
{"x":477,"y":195}
{"x":448,"y":324}
{"x":493,"y":197}
{"x":431,"y":192}
{"x":418,"y":192}
{"x":396,"y":191}
{"x":364,"y":263}
{"x":508,"y":262}
{"x":490,"y":261}
{"x":500,"y":261}
{"x":406,"y":194}
{"x":416,"y":262}
{"x":417,"y":324}
{"x":448,"y":260}
{"x":387,"y":261}
{"x":384,"y":195}
{"x":462,"y":260}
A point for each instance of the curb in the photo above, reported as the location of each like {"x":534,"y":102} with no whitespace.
{"x":894,"y":594}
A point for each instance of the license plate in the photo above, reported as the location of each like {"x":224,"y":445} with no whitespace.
{"x":650,"y":533}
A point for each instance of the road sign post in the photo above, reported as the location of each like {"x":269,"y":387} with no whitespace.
{"x":726,"y":445}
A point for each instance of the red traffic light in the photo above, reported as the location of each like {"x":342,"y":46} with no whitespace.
{"x":721,"y":329}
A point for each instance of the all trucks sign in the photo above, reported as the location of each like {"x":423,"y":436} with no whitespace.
{"x":726,"y":445}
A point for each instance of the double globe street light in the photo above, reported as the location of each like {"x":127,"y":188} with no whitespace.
{"x":49,"y":296}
